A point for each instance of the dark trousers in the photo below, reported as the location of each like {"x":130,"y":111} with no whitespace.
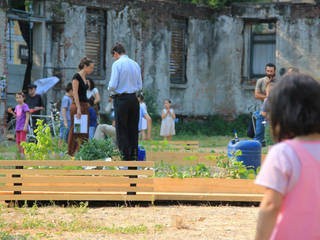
{"x":126,"y":109}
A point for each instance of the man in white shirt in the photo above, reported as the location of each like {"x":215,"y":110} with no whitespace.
{"x":125,"y":81}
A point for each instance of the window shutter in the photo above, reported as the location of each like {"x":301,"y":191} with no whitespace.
{"x":95,"y":31}
{"x":178,"y":50}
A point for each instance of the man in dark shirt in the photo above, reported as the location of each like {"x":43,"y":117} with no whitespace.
{"x":34,"y":101}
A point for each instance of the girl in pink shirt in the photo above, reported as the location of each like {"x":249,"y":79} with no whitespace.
{"x":290,"y":208}
{"x":22,"y":115}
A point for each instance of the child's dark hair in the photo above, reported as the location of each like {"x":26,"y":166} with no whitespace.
{"x":91,"y":101}
{"x":169,"y":101}
{"x":91,"y":83}
{"x":69,"y":87}
{"x":21,"y":94}
{"x":140,"y":95}
{"x":294,"y":107}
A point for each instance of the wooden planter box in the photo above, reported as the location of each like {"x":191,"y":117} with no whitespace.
{"x":207,"y":189}
{"x":114,"y":185}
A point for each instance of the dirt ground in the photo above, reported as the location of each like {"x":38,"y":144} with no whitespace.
{"x":152,"y":222}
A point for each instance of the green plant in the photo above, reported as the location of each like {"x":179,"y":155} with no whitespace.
{"x":44,"y":147}
{"x":233,"y":168}
{"x":96,"y":149}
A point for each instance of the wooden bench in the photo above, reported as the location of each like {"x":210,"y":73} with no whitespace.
{"x":68,"y":180}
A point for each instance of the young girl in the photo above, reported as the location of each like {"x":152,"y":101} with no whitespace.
{"x":144,"y":123}
{"x":167,"y":123}
{"x":22,"y":114}
{"x":290,"y":207}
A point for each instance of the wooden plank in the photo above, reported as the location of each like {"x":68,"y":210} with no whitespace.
{"x":77,"y":188}
{"x":71,"y":163}
{"x":79,"y":197}
{"x":75,"y":179}
{"x":208,"y":197}
{"x":207,"y":185}
{"x":76,"y":172}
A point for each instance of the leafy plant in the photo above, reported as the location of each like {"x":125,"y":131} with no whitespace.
{"x":96,"y":149}
{"x":233,"y":168}
{"x":45,"y":146}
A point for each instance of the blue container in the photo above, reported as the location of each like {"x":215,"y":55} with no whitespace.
{"x":141,"y":153}
{"x":251,"y":152}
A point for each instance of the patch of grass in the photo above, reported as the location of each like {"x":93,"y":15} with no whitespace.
{"x":78,"y":210}
{"x":6,"y":235}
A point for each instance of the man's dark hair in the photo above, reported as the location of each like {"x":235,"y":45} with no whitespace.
{"x":91,"y":83}
{"x":118,"y":48}
{"x":69,"y":87}
{"x":294,"y":107}
{"x":271,"y":65}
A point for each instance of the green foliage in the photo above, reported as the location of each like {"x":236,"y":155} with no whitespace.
{"x":170,"y":170}
{"x":231,"y":168}
{"x":96,"y":149}
{"x":45,"y":146}
{"x":214,"y":125}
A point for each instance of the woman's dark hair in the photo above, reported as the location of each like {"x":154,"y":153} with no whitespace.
{"x":84,"y":61}
{"x":91,"y":83}
{"x":69,"y":87}
{"x":118,"y":48}
{"x":294,"y":107}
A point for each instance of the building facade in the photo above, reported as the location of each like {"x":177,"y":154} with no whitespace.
{"x":205,"y":61}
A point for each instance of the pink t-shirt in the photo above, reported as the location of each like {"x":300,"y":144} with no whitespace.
{"x":21,"y":110}
{"x":281,"y":168}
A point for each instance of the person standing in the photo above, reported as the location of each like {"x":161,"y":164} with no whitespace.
{"x":21,"y":112}
{"x":79,"y":104}
{"x":35,"y":103}
{"x":65,"y":120}
{"x":260,"y":94}
{"x":125,"y":81}
{"x":168,"y":116}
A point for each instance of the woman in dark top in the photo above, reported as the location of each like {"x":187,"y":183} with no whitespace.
{"x":79,"y":104}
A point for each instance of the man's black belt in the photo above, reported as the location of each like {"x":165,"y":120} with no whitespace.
{"x":123,"y":94}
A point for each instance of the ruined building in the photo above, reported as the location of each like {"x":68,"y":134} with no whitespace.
{"x":205,"y":61}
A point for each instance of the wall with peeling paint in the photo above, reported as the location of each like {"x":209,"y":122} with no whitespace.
{"x":217,"y":49}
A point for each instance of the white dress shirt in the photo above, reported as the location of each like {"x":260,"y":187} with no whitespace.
{"x":125,"y":76}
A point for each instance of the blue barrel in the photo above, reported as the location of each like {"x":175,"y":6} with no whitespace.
{"x":251,"y":152}
{"x":141,"y":153}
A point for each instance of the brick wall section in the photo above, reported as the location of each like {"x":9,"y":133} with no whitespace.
{"x":3,"y":60}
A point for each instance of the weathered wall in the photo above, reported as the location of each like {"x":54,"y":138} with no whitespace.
{"x":3,"y":56}
{"x":216,"y":45}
